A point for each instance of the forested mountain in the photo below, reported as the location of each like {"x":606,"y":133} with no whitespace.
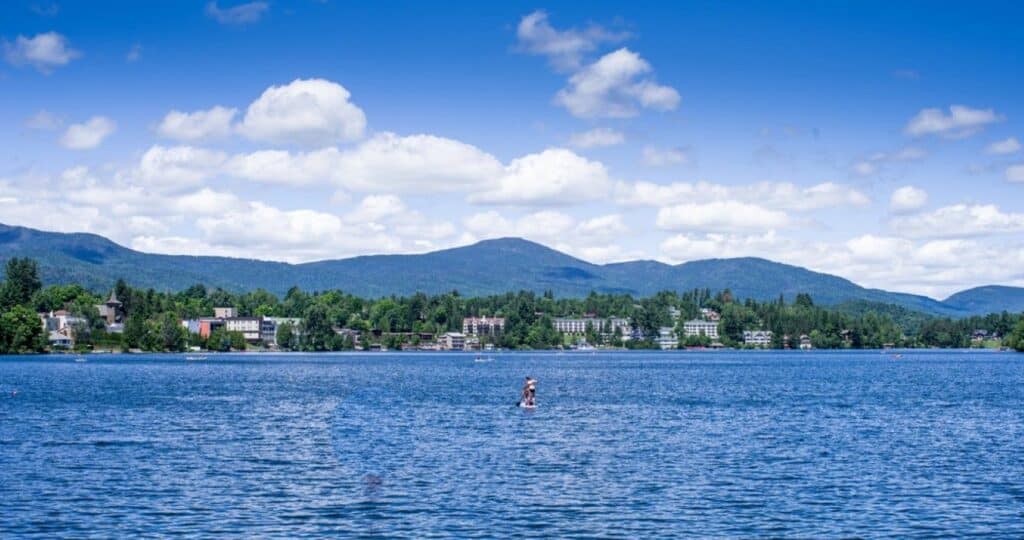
{"x":487,"y":267}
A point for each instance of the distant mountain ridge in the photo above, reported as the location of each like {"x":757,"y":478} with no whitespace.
{"x":487,"y":267}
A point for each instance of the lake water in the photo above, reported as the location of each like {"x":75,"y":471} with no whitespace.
{"x":722,"y":444}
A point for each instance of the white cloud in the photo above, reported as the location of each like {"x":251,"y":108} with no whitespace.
{"x":240,"y":14}
{"x":605,"y":227}
{"x":614,"y":87}
{"x":874,"y":162}
{"x":1006,"y":146}
{"x":907,"y":199}
{"x":376,"y":207}
{"x":597,"y":137}
{"x":198,"y":125}
{"x":313,"y":112}
{"x":422,"y":163}
{"x":44,"y":51}
{"x":962,"y":121}
{"x":722,"y":216}
{"x":88,"y":134}
{"x":555,"y":176}
{"x":779,"y":195}
{"x":1015,"y":173}
{"x":563,"y":47}
{"x":657,"y":157}
{"x":959,"y":220}
{"x":44,"y":120}
{"x":177,"y":167}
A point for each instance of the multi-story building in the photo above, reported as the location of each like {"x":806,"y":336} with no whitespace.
{"x":667,"y":338}
{"x":757,"y":338}
{"x":247,"y":326}
{"x":701,"y":328}
{"x":710,"y":315}
{"x":483,"y":326}
{"x":269,"y":326}
{"x":569,"y":325}
{"x":805,"y":342}
{"x":225,"y":312}
{"x":452,"y":341}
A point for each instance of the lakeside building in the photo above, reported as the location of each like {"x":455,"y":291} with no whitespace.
{"x":60,"y":340}
{"x":112,"y":313}
{"x":452,"y":341}
{"x":709,"y":314}
{"x":805,"y":342}
{"x":578,"y":325}
{"x":757,"y":338}
{"x":667,"y":338}
{"x":56,"y":321}
{"x":483,"y":326}
{"x":249,"y":327}
{"x":224,"y":312}
{"x":269,"y":326}
{"x":697,"y":327}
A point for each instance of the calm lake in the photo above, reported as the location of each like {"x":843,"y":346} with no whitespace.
{"x":717,"y":444}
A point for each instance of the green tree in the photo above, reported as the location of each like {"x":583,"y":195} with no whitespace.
{"x":1015,"y":339}
{"x":286,"y":337}
{"x":22,"y":283}
{"x":21,"y":331}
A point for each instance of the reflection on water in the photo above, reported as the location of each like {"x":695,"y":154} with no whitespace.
{"x":689,"y":444}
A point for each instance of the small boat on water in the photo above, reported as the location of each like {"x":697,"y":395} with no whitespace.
{"x":193,"y":358}
{"x":482,"y":359}
{"x":80,"y":359}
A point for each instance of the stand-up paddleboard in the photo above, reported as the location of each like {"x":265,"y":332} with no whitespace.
{"x":525,"y":406}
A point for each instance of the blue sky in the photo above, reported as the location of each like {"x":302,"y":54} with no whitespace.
{"x":875,"y":141}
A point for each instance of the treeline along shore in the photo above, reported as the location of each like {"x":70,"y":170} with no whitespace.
{"x":71,"y":318}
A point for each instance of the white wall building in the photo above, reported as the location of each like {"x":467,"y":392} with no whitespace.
{"x":571,"y":325}
{"x":483,"y":326}
{"x":701,"y":328}
{"x":224,"y":312}
{"x":452,"y":341}
{"x":757,"y":338}
{"x":248,"y":326}
{"x":667,"y":338}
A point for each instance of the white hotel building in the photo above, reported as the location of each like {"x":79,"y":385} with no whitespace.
{"x":699,"y":328}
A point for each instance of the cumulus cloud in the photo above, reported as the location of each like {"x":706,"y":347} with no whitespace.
{"x":662,"y":157}
{"x":563,"y":47}
{"x":241,"y":14}
{"x":376,"y":207}
{"x":1009,"y":145}
{"x":959,"y":221}
{"x":45,"y":51}
{"x":962,"y":121}
{"x":778,"y":195}
{"x":597,"y":137}
{"x":907,"y":199}
{"x":615,"y":86}
{"x":88,"y":134}
{"x":720,"y":216}
{"x":423,"y":163}
{"x":312,"y":112}
{"x":177,"y":167}
{"x":198,"y":125}
{"x":555,"y":176}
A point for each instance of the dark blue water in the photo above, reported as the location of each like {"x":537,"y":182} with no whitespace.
{"x":626,"y":445}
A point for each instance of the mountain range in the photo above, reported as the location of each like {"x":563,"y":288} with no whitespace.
{"x":487,"y":267}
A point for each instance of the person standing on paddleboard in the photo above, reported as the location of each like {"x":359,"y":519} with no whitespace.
{"x":529,"y":398}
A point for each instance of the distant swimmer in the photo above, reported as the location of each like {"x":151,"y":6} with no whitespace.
{"x":529,"y":396}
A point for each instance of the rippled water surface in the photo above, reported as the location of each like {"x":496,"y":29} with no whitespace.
{"x":721,"y":444}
